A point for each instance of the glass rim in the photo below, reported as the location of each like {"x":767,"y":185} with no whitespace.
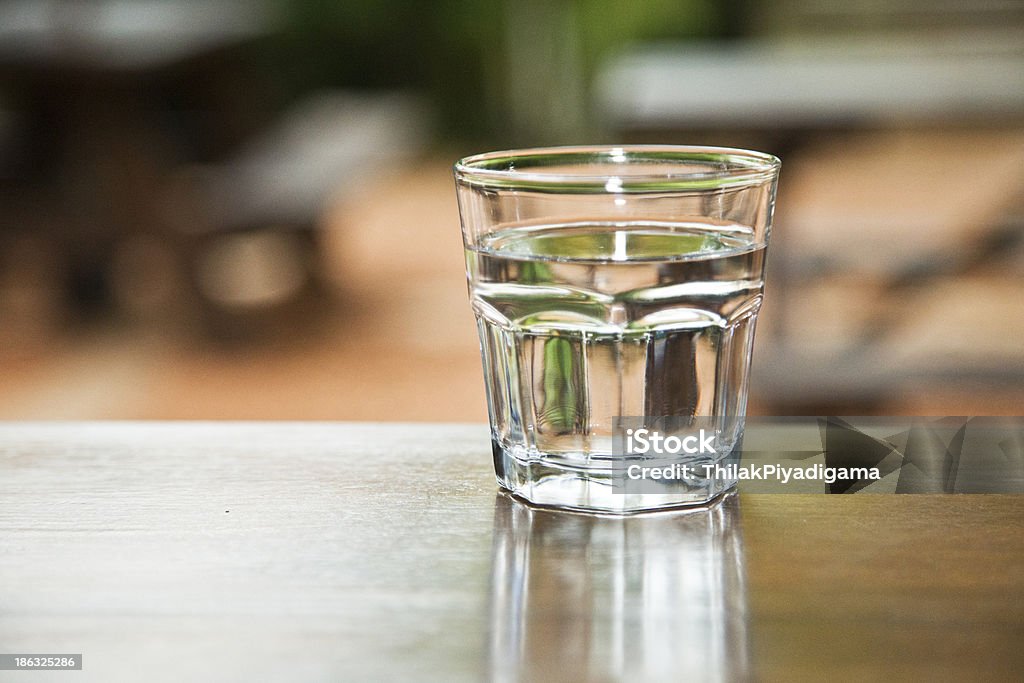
{"x":735,"y":168}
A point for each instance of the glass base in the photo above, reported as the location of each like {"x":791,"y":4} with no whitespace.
{"x":569,"y":486}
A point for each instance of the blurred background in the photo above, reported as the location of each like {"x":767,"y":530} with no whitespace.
{"x":244,"y":210}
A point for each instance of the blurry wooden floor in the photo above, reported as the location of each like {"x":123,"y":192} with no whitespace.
{"x":399,"y":342}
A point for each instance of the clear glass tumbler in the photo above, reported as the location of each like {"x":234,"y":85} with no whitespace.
{"x":612,"y":283}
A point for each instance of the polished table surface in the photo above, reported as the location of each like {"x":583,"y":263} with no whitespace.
{"x":384,"y":552}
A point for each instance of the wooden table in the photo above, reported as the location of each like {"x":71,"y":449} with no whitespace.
{"x":354,"y":552}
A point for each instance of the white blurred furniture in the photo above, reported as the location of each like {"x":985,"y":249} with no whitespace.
{"x":814,"y":84}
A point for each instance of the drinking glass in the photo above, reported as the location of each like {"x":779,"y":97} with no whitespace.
{"x":614,"y":286}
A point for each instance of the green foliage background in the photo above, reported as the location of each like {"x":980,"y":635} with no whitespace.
{"x":457,"y":51}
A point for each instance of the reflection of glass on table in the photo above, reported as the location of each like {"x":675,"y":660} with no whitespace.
{"x":650,"y":597}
